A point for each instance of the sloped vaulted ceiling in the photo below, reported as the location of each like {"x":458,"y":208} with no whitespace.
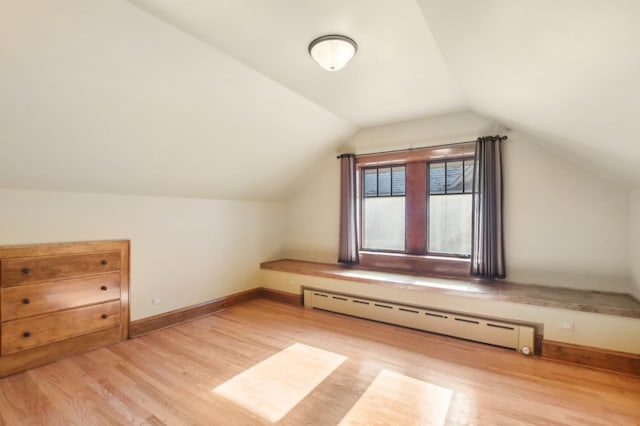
{"x":219,"y":99}
{"x":568,"y":71}
{"x":397,"y":74}
{"x":100,"y":96}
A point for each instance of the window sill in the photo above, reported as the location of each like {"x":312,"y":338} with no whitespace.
{"x":415,"y":264}
{"x":600,"y":302}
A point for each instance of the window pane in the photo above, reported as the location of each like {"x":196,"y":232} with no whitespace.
{"x":436,"y":178}
{"x":450,"y":224}
{"x":370,"y":183}
{"x":384,"y":181}
{"x":398,"y":181}
{"x":468,"y":175}
{"x":383,"y":223}
{"x":454,"y":176}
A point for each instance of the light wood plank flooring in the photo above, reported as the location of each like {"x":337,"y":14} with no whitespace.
{"x":168,"y":377}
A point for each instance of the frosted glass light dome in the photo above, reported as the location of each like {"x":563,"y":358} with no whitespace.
{"x":332,"y":52}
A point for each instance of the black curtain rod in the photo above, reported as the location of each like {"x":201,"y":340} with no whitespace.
{"x":496,"y":137}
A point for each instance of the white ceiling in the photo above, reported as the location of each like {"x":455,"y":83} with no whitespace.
{"x":566,"y":70}
{"x":397,"y":74}
{"x":219,"y":98}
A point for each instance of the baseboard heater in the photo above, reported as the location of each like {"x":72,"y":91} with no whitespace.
{"x":499,"y":333}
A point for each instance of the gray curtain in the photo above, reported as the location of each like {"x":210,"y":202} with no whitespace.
{"x":348,"y":251}
{"x":487,"y":243}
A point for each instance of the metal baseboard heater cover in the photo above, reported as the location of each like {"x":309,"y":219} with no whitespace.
{"x":498,"y":333}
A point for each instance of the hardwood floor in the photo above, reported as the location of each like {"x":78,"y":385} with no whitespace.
{"x":168,"y":377}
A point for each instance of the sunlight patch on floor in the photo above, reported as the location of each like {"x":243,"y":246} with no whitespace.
{"x":274,"y":386}
{"x":395,"y":399}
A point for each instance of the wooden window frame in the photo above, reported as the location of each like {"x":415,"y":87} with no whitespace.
{"x":362,"y":197}
{"x":444,"y":194}
{"x":415,"y":258}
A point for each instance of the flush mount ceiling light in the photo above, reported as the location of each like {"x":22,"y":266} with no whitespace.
{"x":332,"y":52}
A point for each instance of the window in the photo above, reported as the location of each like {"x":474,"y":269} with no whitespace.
{"x":383,"y":208}
{"x":449,"y":203}
{"x":416,"y":205}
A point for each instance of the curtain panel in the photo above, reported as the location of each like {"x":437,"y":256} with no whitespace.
{"x":348,"y":250}
{"x":487,"y":241}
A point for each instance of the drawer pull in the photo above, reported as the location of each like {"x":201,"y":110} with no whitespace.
{"x":104,"y":316}
{"x":26,"y":271}
{"x":103,"y":262}
{"x":26,"y":334}
{"x":103,"y":288}
{"x":26,"y":301}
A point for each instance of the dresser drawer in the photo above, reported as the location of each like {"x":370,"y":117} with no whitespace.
{"x":36,"y":299}
{"x":29,"y":333}
{"x":26,"y":270}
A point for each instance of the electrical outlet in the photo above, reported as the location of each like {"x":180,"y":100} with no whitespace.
{"x":567,"y":325}
{"x":156,"y":300}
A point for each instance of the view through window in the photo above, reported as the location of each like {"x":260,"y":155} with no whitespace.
{"x":418,"y":206}
{"x":383,"y":208}
{"x":449,"y":202}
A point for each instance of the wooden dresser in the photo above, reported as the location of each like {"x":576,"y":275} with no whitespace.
{"x":61,"y":299}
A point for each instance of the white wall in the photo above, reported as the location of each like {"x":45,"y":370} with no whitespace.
{"x":184,"y":251}
{"x":602,"y":331}
{"x":634,"y":239}
{"x":564,"y":226}
{"x":312,"y":217}
{"x":438,"y":130}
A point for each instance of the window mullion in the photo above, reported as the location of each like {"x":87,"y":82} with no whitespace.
{"x":416,"y":209}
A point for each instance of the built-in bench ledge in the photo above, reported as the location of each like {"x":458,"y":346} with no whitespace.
{"x":564,"y":298}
